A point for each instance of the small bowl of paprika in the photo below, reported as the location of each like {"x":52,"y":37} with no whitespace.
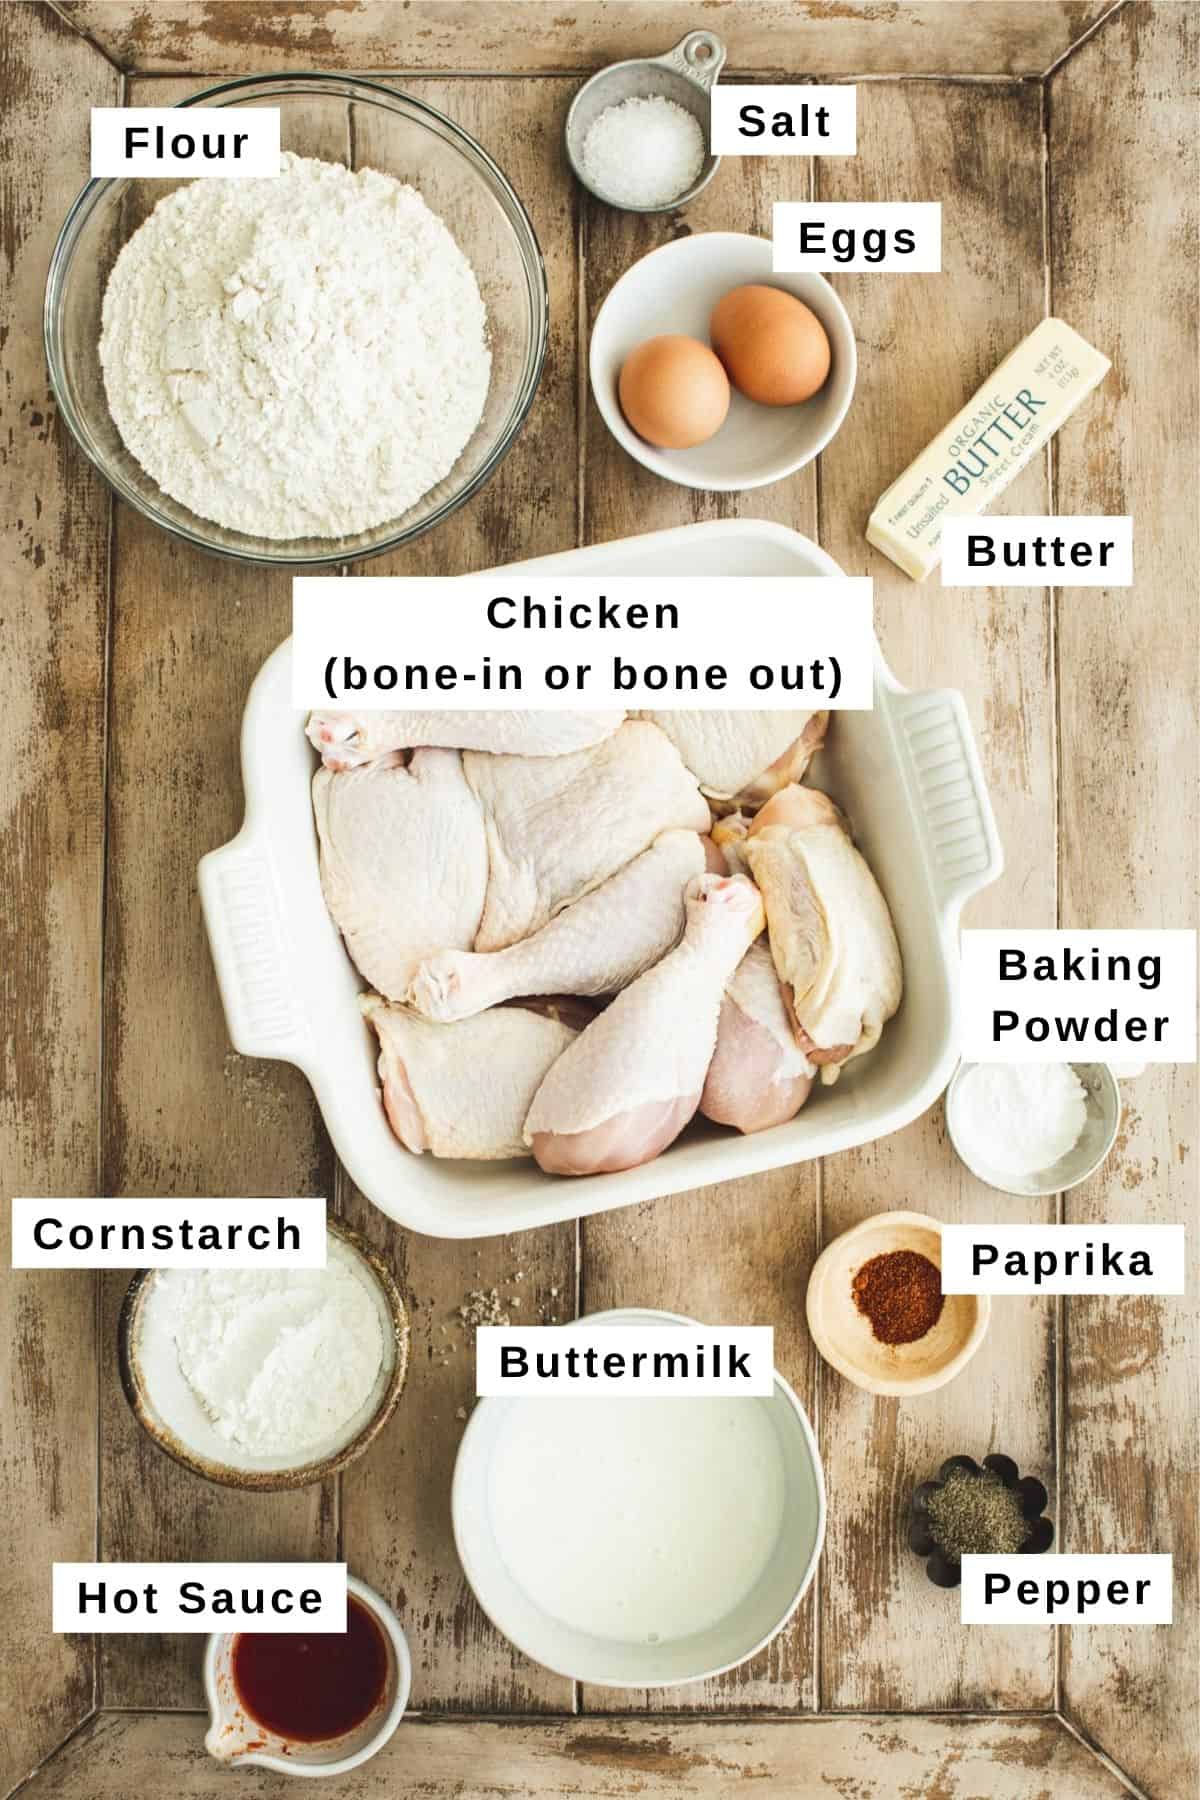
{"x":877,"y":1313}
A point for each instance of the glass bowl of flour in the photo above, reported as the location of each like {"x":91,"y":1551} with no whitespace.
{"x":309,"y":368}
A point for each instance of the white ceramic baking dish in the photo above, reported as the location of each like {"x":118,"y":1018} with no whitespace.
{"x":908,"y":776}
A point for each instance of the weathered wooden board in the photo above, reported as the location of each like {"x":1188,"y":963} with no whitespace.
{"x":834,"y":37}
{"x":184,"y":1114}
{"x":396,"y":1503}
{"x":610,"y":1759}
{"x":53,"y":604}
{"x":925,"y":344}
{"x":749,"y":1244}
{"x":1123,"y":186}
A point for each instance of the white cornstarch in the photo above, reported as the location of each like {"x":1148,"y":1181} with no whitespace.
{"x":301,"y":355}
{"x":281,"y":1360}
{"x":644,"y":152}
{"x":1019,"y":1118}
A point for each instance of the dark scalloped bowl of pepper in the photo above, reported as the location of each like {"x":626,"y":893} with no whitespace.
{"x":1014,"y":1519}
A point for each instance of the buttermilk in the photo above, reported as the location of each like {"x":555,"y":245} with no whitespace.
{"x":505,"y":611}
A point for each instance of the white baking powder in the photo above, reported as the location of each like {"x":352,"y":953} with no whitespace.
{"x":1019,"y":1118}
{"x":281,"y":1360}
{"x":295,"y":356}
{"x":644,"y":152}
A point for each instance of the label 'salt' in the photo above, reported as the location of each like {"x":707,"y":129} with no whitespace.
{"x":783,"y":120}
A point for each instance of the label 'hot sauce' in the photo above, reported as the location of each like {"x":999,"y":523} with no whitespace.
{"x":309,"y":1688}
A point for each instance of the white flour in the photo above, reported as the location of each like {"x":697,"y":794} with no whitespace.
{"x":1019,"y":1118}
{"x":280,"y":1360}
{"x":300,"y":356}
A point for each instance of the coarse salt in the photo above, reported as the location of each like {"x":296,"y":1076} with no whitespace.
{"x":644,"y":152}
{"x":280,"y":1360}
{"x":1019,"y":1118}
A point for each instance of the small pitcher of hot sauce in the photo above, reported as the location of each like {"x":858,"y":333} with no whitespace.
{"x":309,"y":1703}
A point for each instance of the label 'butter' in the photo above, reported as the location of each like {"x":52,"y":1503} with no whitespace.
{"x":1014,"y":414}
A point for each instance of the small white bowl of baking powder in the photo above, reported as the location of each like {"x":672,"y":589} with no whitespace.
{"x":266,"y":1380}
{"x":1033,"y":1128}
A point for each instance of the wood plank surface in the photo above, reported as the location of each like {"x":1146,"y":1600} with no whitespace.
{"x":184,"y":1114}
{"x":1123,"y":234}
{"x":53,"y":604}
{"x":925,"y":344}
{"x":749,"y":1244}
{"x":1092,"y":777}
{"x":396,"y":1502}
{"x":618,"y":1759}
{"x":833,"y":37}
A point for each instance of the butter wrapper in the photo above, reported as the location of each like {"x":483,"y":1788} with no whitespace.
{"x":1013,"y":416}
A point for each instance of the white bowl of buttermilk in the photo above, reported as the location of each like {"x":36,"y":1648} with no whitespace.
{"x":639,"y":1541}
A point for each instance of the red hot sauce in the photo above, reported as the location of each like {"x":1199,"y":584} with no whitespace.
{"x":312,"y":1687}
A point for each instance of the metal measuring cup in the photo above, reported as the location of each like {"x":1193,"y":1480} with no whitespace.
{"x":687,"y":74}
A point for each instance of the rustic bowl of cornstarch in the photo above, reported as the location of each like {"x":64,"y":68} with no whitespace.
{"x":266,"y":1379}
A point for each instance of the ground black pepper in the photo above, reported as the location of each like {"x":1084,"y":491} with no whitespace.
{"x":901,"y":1294}
{"x":976,"y":1515}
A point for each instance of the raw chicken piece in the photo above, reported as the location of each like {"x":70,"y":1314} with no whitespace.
{"x":403,"y":861}
{"x":743,"y":757}
{"x":758,"y":1076}
{"x":787,"y":768}
{"x":559,"y":826}
{"x":629,"y":1084}
{"x":729,"y":841}
{"x":598,"y":945}
{"x":346,"y":739}
{"x":463,"y":1090}
{"x":830,"y":930}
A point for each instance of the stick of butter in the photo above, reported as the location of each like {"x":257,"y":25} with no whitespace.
{"x":986,"y":446}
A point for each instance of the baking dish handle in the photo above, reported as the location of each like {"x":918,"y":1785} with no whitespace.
{"x":246,"y":934}
{"x":946,"y":776}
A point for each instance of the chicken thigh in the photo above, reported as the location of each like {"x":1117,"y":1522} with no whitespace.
{"x":403,"y":861}
{"x":631,"y":1081}
{"x":463,"y":1090}
{"x":830,"y":930}
{"x":597,"y":945}
{"x":758,"y":1076}
{"x":559,"y":826}
{"x":346,"y":739}
{"x":743,"y":757}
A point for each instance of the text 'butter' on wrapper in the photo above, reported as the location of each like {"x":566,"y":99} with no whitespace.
{"x":1013,"y":416}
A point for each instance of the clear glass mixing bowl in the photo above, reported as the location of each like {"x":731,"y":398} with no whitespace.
{"x":368,"y":125}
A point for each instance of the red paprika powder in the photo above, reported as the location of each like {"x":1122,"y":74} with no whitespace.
{"x":900,"y":1293}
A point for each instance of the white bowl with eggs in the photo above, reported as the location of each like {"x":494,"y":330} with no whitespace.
{"x":673,"y":292}
{"x":639,"y":1542}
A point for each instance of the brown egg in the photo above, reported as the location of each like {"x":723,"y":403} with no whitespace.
{"x":673,"y":392}
{"x":774,"y":348}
